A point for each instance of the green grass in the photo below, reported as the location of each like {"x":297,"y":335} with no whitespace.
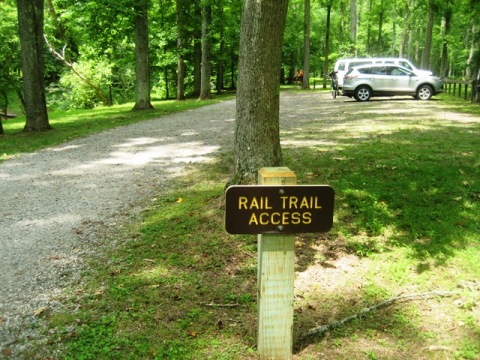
{"x":69,"y":125}
{"x":407,"y":219}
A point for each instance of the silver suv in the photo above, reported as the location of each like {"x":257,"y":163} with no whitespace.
{"x":363,"y":82}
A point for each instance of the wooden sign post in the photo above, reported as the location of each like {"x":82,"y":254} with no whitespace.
{"x":275,"y":209}
{"x":275,"y":276}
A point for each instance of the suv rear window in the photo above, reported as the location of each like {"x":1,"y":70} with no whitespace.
{"x":375,"y":70}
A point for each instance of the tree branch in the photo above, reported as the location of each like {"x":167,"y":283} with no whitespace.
{"x":62,"y":57}
{"x":320,"y":330}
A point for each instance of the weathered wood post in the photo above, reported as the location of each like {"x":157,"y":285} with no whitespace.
{"x":276,"y":209}
{"x":276,"y":271}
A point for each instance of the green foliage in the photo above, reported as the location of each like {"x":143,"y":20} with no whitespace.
{"x":9,"y":54}
{"x":80,"y":95}
{"x":68,"y":125}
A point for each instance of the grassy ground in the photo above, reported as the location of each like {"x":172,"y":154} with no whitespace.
{"x":77,"y":123}
{"x":407,"y":221}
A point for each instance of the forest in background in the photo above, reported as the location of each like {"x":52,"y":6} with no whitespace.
{"x":94,"y":43}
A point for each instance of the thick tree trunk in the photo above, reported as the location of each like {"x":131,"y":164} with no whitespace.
{"x":142,"y":64}
{"x":257,"y":134}
{"x":205,"y":91}
{"x":30,"y":24}
{"x":428,"y":39}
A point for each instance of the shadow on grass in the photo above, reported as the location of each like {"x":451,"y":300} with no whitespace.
{"x":183,"y":288}
{"x":414,"y":188}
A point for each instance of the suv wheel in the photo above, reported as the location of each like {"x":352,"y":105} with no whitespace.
{"x":424,"y":92}
{"x":363,"y":93}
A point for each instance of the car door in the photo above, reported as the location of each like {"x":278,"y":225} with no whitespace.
{"x":400,"y":80}
{"x":379,"y":79}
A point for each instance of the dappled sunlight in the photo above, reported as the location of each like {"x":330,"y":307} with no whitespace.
{"x":63,"y":148}
{"x":63,"y":219}
{"x":305,"y":142}
{"x":154,"y":272}
{"x":187,"y":153}
{"x":134,"y":142}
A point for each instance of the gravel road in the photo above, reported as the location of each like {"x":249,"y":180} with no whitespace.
{"x":55,"y":203}
{"x":53,"y":200}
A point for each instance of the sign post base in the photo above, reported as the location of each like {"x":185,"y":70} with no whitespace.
{"x":276,"y":270}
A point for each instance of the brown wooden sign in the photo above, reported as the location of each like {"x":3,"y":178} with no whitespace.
{"x":279,"y":209}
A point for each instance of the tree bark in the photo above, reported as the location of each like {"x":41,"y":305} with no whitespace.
{"x":353,"y":25}
{"x":205,"y":91}
{"x":327,"y":45}
{"x":142,"y":64}
{"x":220,"y":68}
{"x":428,"y":38}
{"x":257,"y":133}
{"x":30,"y":24}
{"x":306,"y":47}
{"x":197,"y":51}
{"x":180,"y":60}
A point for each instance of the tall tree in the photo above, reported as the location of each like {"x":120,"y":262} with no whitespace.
{"x":353,"y":26}
{"x":180,"y":57}
{"x":197,"y":49}
{"x":30,"y":24}
{"x":205,"y":91}
{"x":257,"y":133}
{"x":327,"y":43}
{"x":306,"y":46}
{"x":425,"y":64}
{"x":142,"y":63}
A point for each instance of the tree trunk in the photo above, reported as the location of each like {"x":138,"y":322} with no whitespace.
{"x":369,"y":28}
{"x":205,"y":91}
{"x":477,"y":97}
{"x":257,"y":133}
{"x":30,"y":24}
{"x":428,"y":39}
{"x":327,"y":45}
{"x":469,"y":68}
{"x":405,"y":31}
{"x":394,"y":30}
{"x":142,"y":64}
{"x":306,"y":47}
{"x":233,"y":59}
{"x":220,"y":67}
{"x":353,"y":26}
{"x":180,"y":61}
{"x":444,"y":51}
{"x":197,"y":51}
{"x":380,"y":29}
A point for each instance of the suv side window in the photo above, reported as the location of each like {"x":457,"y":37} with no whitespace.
{"x":378,"y":70}
{"x":395,"y":71}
